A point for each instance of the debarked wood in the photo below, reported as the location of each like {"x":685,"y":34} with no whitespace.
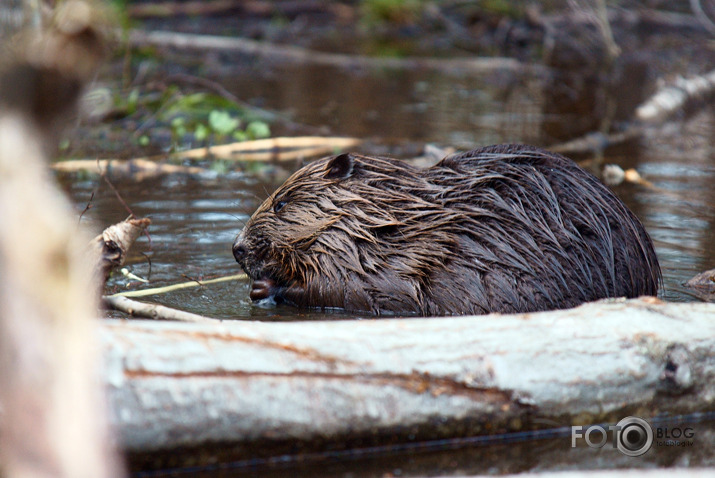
{"x":178,"y":385}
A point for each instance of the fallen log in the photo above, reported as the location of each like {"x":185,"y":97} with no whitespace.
{"x":294,"y":54}
{"x":139,"y":168}
{"x":261,"y":388}
{"x":269,"y":149}
{"x":674,"y":97}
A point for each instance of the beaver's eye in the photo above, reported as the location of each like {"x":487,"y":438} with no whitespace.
{"x":279,"y":205}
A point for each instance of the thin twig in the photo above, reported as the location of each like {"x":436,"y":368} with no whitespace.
{"x":174,"y":287}
{"x":702,"y":16}
{"x":86,"y":208}
{"x":116,"y":193}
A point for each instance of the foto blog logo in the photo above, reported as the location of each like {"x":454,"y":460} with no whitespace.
{"x":632,"y":436}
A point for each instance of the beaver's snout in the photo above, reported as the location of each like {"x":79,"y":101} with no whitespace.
{"x":261,"y":288}
{"x":239,"y":251}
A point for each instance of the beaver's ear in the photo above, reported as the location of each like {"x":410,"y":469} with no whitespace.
{"x":340,"y":167}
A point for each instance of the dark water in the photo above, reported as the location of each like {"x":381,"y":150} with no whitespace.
{"x":507,"y":454}
{"x":196,"y":219}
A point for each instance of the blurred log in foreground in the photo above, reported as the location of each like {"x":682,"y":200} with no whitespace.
{"x":53,"y":420}
{"x":246,"y":389}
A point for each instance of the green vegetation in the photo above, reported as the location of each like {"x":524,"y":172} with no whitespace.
{"x":189,"y":119}
{"x":505,"y":8}
{"x":210,"y":118}
{"x":391,"y":11}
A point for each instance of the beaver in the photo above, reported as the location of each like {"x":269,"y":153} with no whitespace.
{"x":506,"y":228}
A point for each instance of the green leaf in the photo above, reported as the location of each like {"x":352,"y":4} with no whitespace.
{"x":178,"y":126}
{"x":132,"y":101}
{"x":258,"y":130}
{"x":222,"y":123}
{"x":201,"y":132}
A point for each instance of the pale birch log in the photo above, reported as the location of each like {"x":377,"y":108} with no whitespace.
{"x":674,"y":97}
{"x":191,"y":385}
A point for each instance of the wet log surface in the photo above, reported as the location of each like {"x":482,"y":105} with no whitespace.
{"x":244,"y":389}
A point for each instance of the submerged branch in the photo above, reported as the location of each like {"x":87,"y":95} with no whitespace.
{"x":596,"y":141}
{"x":139,"y":168}
{"x":278,"y":149}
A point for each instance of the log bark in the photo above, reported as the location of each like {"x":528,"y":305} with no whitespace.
{"x":257,"y":387}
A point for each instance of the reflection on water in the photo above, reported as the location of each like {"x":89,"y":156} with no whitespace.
{"x":399,"y":106}
{"x":509,"y":454}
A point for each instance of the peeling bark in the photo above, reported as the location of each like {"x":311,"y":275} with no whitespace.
{"x":111,"y":247}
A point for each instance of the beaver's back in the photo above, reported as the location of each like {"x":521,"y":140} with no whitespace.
{"x":554,"y":235}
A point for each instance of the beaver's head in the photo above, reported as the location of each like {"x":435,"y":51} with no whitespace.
{"x":323,"y":239}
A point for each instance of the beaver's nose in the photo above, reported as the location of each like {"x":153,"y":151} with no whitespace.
{"x":239,"y":251}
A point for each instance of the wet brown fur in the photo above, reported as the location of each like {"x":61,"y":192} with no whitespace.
{"x":508,"y":228}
